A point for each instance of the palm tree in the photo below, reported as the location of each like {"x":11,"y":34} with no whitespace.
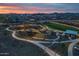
{"x":24,"y":26}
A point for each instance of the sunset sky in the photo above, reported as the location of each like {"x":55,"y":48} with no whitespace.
{"x":21,"y":8}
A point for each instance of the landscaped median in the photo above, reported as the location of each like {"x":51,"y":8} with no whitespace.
{"x":59,"y":26}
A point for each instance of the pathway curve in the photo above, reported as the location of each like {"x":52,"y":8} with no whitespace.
{"x":70,"y":48}
{"x":46,"y":49}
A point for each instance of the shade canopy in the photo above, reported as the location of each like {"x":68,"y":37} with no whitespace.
{"x":71,"y":32}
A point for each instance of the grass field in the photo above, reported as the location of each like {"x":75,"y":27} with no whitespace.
{"x":60,"y":27}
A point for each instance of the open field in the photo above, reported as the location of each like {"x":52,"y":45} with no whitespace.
{"x":72,"y":22}
{"x":60,"y":27}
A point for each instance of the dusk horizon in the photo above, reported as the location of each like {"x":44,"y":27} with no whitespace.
{"x":39,"y":29}
{"x":34,"y":8}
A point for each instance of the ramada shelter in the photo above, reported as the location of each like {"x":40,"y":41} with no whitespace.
{"x":71,"y":33}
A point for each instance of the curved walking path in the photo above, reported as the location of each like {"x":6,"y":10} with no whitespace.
{"x":69,"y":41}
{"x":46,"y":49}
{"x":70,"y":48}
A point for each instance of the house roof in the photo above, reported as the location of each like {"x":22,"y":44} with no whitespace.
{"x":71,"y":32}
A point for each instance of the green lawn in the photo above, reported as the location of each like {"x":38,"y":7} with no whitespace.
{"x":60,"y":27}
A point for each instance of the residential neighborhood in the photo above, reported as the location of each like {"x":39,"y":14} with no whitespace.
{"x":39,"y":32}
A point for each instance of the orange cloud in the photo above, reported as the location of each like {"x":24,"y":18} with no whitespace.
{"x":6,"y":7}
{"x":28,"y":10}
{"x":13,"y":9}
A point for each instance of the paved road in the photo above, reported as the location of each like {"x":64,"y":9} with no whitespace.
{"x":59,"y":42}
{"x":49,"y":51}
{"x":46,"y":49}
{"x":70,"y":48}
{"x":12,"y":47}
